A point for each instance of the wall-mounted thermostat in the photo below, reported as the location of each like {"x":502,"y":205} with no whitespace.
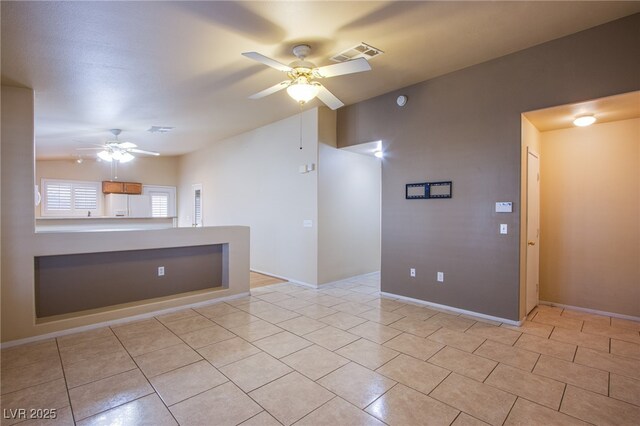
{"x":504,"y":207}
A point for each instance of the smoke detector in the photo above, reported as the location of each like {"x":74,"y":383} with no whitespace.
{"x":362,"y":50}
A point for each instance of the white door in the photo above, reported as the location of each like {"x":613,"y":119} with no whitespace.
{"x":196,"y":204}
{"x":533,"y":229}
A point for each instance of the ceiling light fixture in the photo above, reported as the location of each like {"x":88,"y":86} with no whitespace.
{"x":584,"y":120}
{"x":378,"y":154}
{"x":119,"y":156}
{"x":302,"y":90}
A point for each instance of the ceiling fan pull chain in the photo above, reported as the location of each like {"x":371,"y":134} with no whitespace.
{"x":301,"y":126}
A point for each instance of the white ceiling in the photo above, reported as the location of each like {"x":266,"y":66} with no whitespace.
{"x":131,"y":65}
{"x":612,"y":108}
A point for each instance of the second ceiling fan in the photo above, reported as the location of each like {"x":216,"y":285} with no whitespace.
{"x":302,"y":85}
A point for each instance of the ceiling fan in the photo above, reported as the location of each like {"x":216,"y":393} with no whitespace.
{"x":119,"y":151}
{"x":302,"y":85}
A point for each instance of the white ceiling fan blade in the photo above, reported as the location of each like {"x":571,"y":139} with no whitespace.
{"x":267,"y":61}
{"x":328,"y":98}
{"x":90,"y":149}
{"x":271,"y":90}
{"x":349,"y":67}
{"x":127,"y":145}
{"x":142,"y":151}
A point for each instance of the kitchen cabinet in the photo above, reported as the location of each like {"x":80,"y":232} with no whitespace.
{"x":133,"y":188}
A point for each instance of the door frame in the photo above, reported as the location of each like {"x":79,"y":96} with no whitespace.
{"x":528,"y":237}
{"x":196,"y":187}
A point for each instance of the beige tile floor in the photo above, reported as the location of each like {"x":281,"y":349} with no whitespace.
{"x":340,"y":355}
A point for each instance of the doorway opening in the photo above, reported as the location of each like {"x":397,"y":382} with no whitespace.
{"x":580,"y":204}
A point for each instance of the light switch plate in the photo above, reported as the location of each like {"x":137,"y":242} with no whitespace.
{"x":503,"y":228}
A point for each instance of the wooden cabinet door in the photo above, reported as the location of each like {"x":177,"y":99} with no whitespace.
{"x":132,"y":188}
{"x":109,"y":187}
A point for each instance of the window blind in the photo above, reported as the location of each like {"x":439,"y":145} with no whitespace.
{"x":159,"y":204}
{"x":70,"y":198}
{"x":57,"y":196}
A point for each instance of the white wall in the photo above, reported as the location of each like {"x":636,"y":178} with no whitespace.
{"x":348,"y":207}
{"x":147,"y":170}
{"x":590,"y":217}
{"x":253,"y":179}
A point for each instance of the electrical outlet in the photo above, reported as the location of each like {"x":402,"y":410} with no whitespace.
{"x":161,"y":271}
{"x":503,"y":228}
{"x":440,"y":277}
{"x":412,"y":272}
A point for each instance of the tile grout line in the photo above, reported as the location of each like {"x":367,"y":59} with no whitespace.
{"x":374,"y":401}
{"x":257,"y":414}
{"x":113,"y":375}
{"x":218,"y":370}
{"x":144,"y":375}
{"x":513,"y":404}
{"x":265,"y":384}
{"x":66,"y":385}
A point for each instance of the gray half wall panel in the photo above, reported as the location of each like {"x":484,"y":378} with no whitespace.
{"x":78,"y":282}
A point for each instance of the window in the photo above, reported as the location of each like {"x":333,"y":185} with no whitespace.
{"x":163,"y":200}
{"x":70,"y":198}
{"x":159,"y":204}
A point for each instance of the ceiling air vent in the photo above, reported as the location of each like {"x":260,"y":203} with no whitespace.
{"x":160,"y":129}
{"x":362,"y":50}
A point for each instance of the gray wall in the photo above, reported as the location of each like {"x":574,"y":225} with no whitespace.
{"x":465,"y":127}
{"x":77,"y":282}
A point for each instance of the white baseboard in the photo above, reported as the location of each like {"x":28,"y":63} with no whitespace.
{"x":291,"y":280}
{"x":451,"y":308}
{"x":355,"y":277}
{"x":591,"y":311}
{"x":132,"y":318}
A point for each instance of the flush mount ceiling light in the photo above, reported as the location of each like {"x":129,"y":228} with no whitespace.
{"x":584,"y":120}
{"x":378,"y":154}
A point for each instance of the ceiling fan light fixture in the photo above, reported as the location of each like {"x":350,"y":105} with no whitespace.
{"x":105,"y":156}
{"x":302,"y":91}
{"x":125,"y":157}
